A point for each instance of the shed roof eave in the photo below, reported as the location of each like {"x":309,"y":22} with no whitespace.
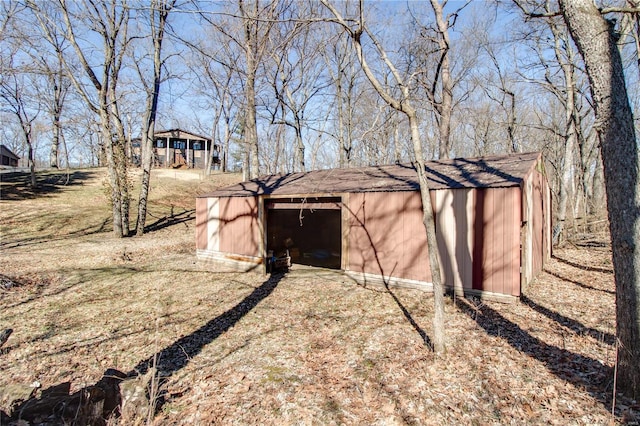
{"x":482,"y":172}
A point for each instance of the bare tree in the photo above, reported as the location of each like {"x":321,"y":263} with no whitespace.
{"x":343,"y":73}
{"x":14,"y":92}
{"x":568,"y":95}
{"x":596,"y":39}
{"x":298,"y":76}
{"x":158,"y":15}
{"x":51,"y":65}
{"x":17,"y":86}
{"x":404,"y":105}
{"x":257,"y":21}
{"x":433,"y":46}
{"x":108,"y":20}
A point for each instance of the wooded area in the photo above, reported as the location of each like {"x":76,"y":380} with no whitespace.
{"x":293,"y":85}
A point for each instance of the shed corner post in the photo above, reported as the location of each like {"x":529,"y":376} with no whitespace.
{"x":526,"y":234}
{"x":262,"y":230}
{"x":344,"y":210}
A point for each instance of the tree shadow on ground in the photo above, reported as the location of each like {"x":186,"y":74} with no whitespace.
{"x":578,"y":283}
{"x":573,"y":325}
{"x":171,"y":220}
{"x":96,"y":404}
{"x":17,"y":185}
{"x":579,"y":370}
{"x":423,"y":335}
{"x":581,"y":266}
{"x":177,"y":355}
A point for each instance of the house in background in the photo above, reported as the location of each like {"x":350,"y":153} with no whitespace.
{"x":179,"y":148}
{"x":7,"y":157}
{"x":492,"y":214}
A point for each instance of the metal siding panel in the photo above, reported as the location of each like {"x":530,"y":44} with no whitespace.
{"x":470,"y":211}
{"x":463,"y":211}
{"x":446,"y":235}
{"x":478,"y":239}
{"x":501,"y":262}
{"x":213,"y":234}
{"x":415,"y":257}
{"x":527,"y":226}
{"x":507,"y":234}
{"x":510,"y":242}
{"x":547,"y":223}
{"x":514,"y":241}
{"x":225,"y":225}
{"x":386,"y":235}
{"x":489,"y":278}
{"x":252,"y":242}
{"x":538,"y":224}
{"x":357,"y":236}
{"x":385,"y":231}
{"x":202,"y":219}
{"x":239,"y":230}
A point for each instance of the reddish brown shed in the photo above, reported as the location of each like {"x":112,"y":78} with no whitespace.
{"x":492,"y":223}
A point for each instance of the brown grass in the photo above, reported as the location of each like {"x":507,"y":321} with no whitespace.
{"x":311,"y":347}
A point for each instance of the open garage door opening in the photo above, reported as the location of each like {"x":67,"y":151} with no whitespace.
{"x":309,"y":230}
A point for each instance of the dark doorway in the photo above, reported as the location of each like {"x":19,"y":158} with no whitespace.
{"x":309,"y":229}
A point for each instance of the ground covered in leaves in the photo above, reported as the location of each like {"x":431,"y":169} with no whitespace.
{"x":309,"y":347}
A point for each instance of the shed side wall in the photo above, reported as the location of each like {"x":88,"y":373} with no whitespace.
{"x":202,"y":219}
{"x":213,"y":233}
{"x":386,"y":235}
{"x":496,"y":242}
{"x":539,"y":222}
{"x":239,"y":226}
{"x":454,"y":233}
{"x":478,"y":232}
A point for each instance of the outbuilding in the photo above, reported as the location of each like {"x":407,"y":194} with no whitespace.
{"x":492,"y":223}
{"x":7,"y":157}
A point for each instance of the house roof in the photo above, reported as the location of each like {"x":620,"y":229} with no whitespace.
{"x":6,"y":152}
{"x":480,"y":172}
{"x":179,"y":133}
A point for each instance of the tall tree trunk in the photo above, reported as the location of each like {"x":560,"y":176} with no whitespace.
{"x":114,"y":183}
{"x":118,"y":145}
{"x":598,"y":197}
{"x":596,"y":40}
{"x":432,"y":244}
{"x":567,"y":170}
{"x":299,"y":146}
{"x":55,"y":142}
{"x":26,"y":129}
{"x":445,"y":107}
{"x":162,"y":9}
{"x":250,"y":124}
{"x":342,"y":144}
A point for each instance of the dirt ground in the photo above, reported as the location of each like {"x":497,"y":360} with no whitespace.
{"x":310,"y":347}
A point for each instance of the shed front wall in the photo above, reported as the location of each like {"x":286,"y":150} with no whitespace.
{"x":202,"y":222}
{"x":239,"y":226}
{"x":228,"y":230}
{"x":386,"y":236}
{"x":478,"y":233}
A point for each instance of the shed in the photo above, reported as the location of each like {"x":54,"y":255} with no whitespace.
{"x":492,"y":223}
{"x":7,"y":157}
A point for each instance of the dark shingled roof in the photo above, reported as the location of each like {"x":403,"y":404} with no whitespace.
{"x":6,"y":152}
{"x":481,"y":172}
